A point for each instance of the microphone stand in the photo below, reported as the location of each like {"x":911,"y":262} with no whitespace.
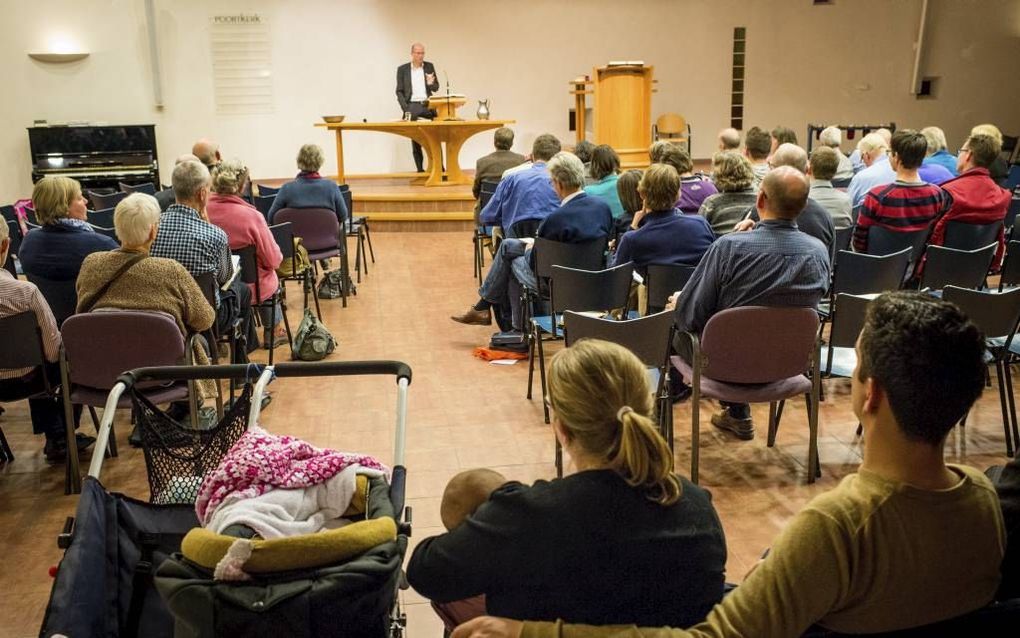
{"x":449,"y":113}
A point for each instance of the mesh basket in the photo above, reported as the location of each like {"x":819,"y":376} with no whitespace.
{"x":177,"y":456}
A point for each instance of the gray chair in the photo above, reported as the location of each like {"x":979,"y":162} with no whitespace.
{"x":284,"y":236}
{"x":861,"y":274}
{"x":266,"y":191}
{"x":882,"y":241}
{"x":100,"y":201}
{"x":60,"y":295}
{"x":358,"y":228}
{"x":963,"y":268}
{"x":731,"y":362}
{"x":662,"y":281}
{"x":964,"y":236}
{"x":263,"y":203}
{"x":480,"y":238}
{"x":98,"y":346}
{"x":14,"y":232}
{"x":320,"y":233}
{"x":547,"y":253}
{"x":578,"y":290}
{"x":108,"y":232}
{"x":101,"y":217}
{"x":841,"y":240}
{"x":23,"y":348}
{"x":146,"y":187}
{"x":839,"y":356}
{"x":250,"y":275}
{"x":1009,"y":275}
{"x":649,"y":338}
{"x":997,"y":315}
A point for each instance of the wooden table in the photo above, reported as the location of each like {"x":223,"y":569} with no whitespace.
{"x":431,"y":135}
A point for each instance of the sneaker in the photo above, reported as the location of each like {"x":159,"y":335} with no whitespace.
{"x":743,"y":429}
{"x":56,"y":449}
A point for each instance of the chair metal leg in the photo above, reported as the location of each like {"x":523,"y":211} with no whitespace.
{"x":531,"y":364}
{"x":1012,"y":404}
{"x":286,"y":326}
{"x":1005,"y":410}
{"x":361,"y":249}
{"x":814,"y":465}
{"x":5,"y":448}
{"x":345,"y":273}
{"x":541,"y":373}
{"x":357,"y":256}
{"x":72,"y":471}
{"x":315,"y":296}
{"x":368,"y":239}
{"x":695,"y":426}
{"x":771,"y":441}
{"x":860,"y":429}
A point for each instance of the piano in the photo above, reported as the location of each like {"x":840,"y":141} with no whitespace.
{"x":99,"y":157}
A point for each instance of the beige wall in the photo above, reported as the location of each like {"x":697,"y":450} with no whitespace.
{"x":849,"y":62}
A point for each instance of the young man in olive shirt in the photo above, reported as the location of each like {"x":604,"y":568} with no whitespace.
{"x":907,"y":541}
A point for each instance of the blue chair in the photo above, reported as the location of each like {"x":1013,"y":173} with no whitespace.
{"x":102,"y":217}
{"x":105,"y":200}
{"x":263,"y":203}
{"x":147,"y":187}
{"x":265,"y":191}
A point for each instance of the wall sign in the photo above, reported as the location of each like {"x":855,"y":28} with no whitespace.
{"x":241,"y":64}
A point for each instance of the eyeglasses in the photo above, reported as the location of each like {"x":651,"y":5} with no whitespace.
{"x":963,"y":150}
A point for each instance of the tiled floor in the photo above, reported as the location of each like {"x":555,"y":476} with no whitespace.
{"x":463,"y":413}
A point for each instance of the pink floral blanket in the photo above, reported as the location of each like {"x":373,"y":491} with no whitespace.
{"x":261,"y":461}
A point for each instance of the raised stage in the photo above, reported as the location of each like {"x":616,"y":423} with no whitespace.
{"x":392,"y":203}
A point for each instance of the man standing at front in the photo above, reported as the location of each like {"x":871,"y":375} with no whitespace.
{"x":416,"y":81}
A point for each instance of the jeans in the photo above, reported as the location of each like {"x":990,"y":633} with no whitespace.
{"x":511,"y":268}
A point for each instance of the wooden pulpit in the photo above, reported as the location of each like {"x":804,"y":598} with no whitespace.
{"x":446,"y":106}
{"x":623,"y":109}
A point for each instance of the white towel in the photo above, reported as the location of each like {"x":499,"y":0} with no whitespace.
{"x":280,"y":513}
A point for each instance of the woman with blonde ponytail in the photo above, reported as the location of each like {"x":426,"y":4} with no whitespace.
{"x":621,"y":540}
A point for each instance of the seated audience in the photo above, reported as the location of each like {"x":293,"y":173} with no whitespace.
{"x":166,"y":197}
{"x":855,"y":157}
{"x":47,"y":412}
{"x":630,"y":199}
{"x":150,"y":283}
{"x":605,"y":170}
{"x":186,"y":235}
{"x":907,"y":540}
{"x":975,"y":198}
{"x":490,"y":167}
{"x":781,"y":135}
{"x":814,"y":220}
{"x":309,"y":189}
{"x":525,"y":194}
{"x":55,"y":251}
{"x":757,"y":148}
{"x":772,"y":265}
{"x":937,"y":152}
{"x":907,"y":204}
{"x":245,"y":226}
{"x":583,"y":151}
{"x":999,"y":170}
{"x":660,"y":234}
{"x":734,"y":177}
{"x":822,"y":170}
{"x":694,"y":188}
{"x":832,"y":137}
{"x":579,"y":218}
{"x":729,"y":140}
{"x":877,"y":171}
{"x":621,"y":540}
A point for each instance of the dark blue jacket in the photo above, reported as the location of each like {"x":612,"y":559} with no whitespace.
{"x":582,"y":219}
{"x":56,"y":251}
{"x":303,"y":192}
{"x":666,"y":237}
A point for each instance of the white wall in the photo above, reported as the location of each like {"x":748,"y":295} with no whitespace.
{"x":849,"y":62}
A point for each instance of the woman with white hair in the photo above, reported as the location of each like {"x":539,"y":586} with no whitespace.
{"x":130,"y":279}
{"x":309,"y":189}
{"x":245,"y":226}
{"x":938,"y":152}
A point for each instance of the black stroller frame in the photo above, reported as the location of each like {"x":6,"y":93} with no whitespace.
{"x":113,"y":545}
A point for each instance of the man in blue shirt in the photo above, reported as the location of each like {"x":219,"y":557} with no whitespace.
{"x":773,"y":265}
{"x":878,"y":172}
{"x":579,"y":219}
{"x":526,"y":194}
{"x":937,"y":152}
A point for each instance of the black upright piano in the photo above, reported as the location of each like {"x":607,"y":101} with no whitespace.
{"x":99,"y":157}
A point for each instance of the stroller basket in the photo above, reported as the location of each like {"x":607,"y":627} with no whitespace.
{"x":116,"y":546}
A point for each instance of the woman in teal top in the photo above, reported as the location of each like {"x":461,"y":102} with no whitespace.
{"x":605,"y":168}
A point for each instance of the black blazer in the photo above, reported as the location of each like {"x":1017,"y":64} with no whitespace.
{"x":404,"y":83}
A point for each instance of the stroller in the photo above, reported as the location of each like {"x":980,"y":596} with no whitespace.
{"x":117,"y":547}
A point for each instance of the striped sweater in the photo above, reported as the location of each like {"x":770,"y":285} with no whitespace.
{"x":899,"y":207}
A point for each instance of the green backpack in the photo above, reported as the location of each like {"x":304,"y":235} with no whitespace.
{"x":313,"y":341}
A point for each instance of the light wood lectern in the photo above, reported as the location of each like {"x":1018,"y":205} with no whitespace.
{"x":623,"y":109}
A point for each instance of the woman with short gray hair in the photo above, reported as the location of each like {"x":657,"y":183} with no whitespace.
{"x":309,"y":189}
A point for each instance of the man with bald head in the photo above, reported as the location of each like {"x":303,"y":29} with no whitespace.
{"x":814,"y":220}
{"x":166,"y":196}
{"x":416,"y":81}
{"x":772,"y":265}
{"x":207,"y":152}
{"x":729,"y":139}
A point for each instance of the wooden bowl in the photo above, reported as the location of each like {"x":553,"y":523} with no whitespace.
{"x":333,"y":119}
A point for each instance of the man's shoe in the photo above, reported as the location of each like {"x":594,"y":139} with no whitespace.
{"x":56,"y":449}
{"x":741,"y":428}
{"x":474,"y":317}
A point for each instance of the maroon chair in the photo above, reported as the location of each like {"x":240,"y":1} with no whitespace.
{"x":321,"y":235}
{"x":755,"y":354}
{"x":98,"y":347}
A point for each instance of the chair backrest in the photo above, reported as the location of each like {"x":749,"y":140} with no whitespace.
{"x":847,"y":320}
{"x":102,"y":218}
{"x":842,"y":239}
{"x":487,"y":189}
{"x":14,"y":232}
{"x":61,"y":296}
{"x":964,"y":236}
{"x":860,"y":274}
{"x":1012,"y":211}
{"x":30,"y":216}
{"x":23,"y":345}
{"x":1013,"y":177}
{"x":249,"y":267}
{"x":105,"y":200}
{"x":663,"y":280}
{"x":882,"y":241}
{"x":349,"y":203}
{"x":996,"y":314}
{"x":101,"y":345}
{"x":671,"y":124}
{"x":10,"y":266}
{"x":207,"y":284}
{"x":284,"y":236}
{"x":263,"y":203}
{"x":648,"y":337}
{"x":1010,"y":273}
{"x":949,"y":267}
{"x":109,"y":232}
{"x":8,"y":213}
{"x":586,"y":290}
{"x":841,"y":183}
{"x":147,"y":187}
{"x":587,"y":256}
{"x":755,"y":344}
{"x":318,"y":228}
{"x":265,"y":191}
{"x":525,"y":228}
